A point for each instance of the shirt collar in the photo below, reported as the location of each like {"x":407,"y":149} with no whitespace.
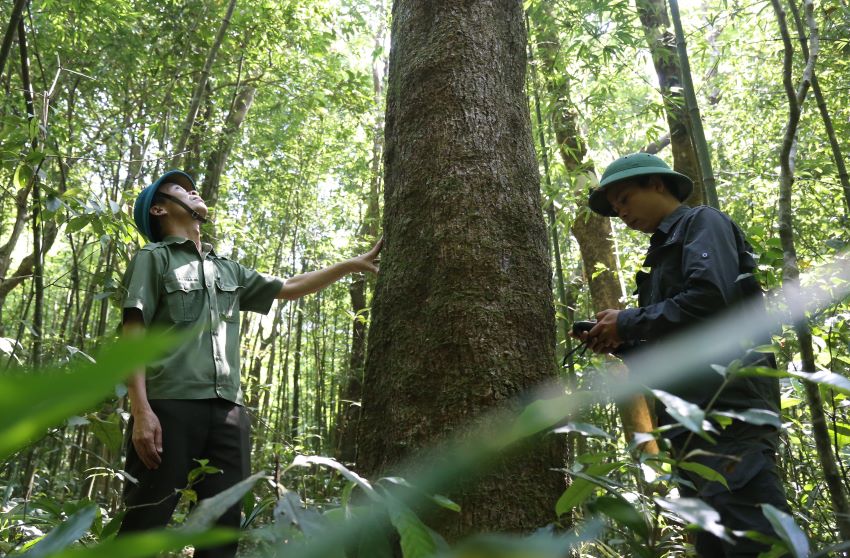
{"x":206,"y":247}
{"x":667,"y":223}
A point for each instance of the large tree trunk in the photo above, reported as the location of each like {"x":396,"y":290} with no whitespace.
{"x":662,"y":47}
{"x":463,"y":319}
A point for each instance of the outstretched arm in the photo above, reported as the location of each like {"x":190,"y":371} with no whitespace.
{"x":312,"y":281}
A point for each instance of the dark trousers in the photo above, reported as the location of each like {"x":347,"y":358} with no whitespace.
{"x":751,"y":474}
{"x":212,"y":429}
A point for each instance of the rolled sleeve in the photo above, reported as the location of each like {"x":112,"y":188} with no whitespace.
{"x":259,"y":290}
{"x":141,"y":285}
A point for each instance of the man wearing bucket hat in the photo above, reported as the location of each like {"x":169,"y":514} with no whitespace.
{"x":700,"y":264}
{"x":188,"y":405}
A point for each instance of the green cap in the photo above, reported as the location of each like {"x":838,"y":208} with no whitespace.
{"x":144,"y":201}
{"x":630,"y":166}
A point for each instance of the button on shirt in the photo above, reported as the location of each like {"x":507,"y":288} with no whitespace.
{"x":175,"y":287}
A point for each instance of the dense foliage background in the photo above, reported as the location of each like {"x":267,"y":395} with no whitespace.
{"x":285,"y":139}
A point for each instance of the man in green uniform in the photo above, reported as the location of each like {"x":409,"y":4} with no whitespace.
{"x":188,"y":405}
{"x":700,"y":264}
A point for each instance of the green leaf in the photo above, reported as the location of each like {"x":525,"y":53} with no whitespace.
{"x":824,"y":377}
{"x":686,"y":413}
{"x":438,"y":499}
{"x":416,"y":538}
{"x":32,"y":402}
{"x":151,"y":543}
{"x":291,"y":510}
{"x":66,"y":533}
{"x":210,"y":509}
{"x":307,"y":460}
{"x":622,"y":512}
{"x":581,"y":488}
{"x":582,"y":428}
{"x":108,"y":431}
{"x":704,"y":471}
{"x":759,"y":417}
{"x":788,"y":531}
{"x":696,"y":512}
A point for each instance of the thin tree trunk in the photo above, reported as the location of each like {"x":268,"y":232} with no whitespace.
{"x":296,"y":371}
{"x":38,"y":263}
{"x":653,"y":16}
{"x":14,"y":19}
{"x":462,"y":320}
{"x":200,"y":87}
{"x":592,"y":232}
{"x":790,"y":269}
{"x":697,"y":134}
{"x":218,"y":157}
{"x":837,"y":156}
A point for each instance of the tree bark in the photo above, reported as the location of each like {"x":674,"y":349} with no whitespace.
{"x":462,"y":319}
{"x":790,"y":269}
{"x":662,"y":48}
{"x":9,"y":36}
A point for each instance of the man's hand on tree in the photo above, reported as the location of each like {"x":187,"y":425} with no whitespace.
{"x":369,"y":260}
{"x":147,"y":438}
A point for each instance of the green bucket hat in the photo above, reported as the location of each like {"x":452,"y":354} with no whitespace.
{"x":144,"y":201}
{"x":630,"y":166}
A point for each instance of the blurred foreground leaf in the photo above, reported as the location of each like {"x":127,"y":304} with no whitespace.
{"x":696,"y":512}
{"x":32,"y":402}
{"x":63,"y":535}
{"x":788,"y":531}
{"x":151,"y":543}
{"x":210,"y":509}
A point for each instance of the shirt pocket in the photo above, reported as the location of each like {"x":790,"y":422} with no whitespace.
{"x":228,"y":299}
{"x":667,"y":279}
{"x":184,"y":297}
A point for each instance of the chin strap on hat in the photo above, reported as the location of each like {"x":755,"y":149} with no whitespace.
{"x":195,"y":215}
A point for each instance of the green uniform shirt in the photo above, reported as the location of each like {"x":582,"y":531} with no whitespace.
{"x":176,"y":287}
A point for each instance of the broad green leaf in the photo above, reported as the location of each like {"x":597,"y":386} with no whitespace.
{"x":788,"y":530}
{"x":416,"y":538}
{"x":293,"y":512}
{"x":545,"y":543}
{"x":581,"y":488}
{"x":824,"y":377}
{"x":107,"y":431}
{"x":438,"y":499}
{"x":210,"y":509}
{"x":759,"y":417}
{"x":696,"y":512}
{"x":704,"y":471}
{"x":307,"y":460}
{"x":32,"y":402}
{"x":686,"y":413}
{"x":66,"y":533}
{"x":582,"y":428}
{"x":622,"y":512}
{"x":151,"y":544}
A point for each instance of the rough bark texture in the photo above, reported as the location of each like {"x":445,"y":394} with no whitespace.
{"x":463,"y":320}
{"x":662,"y":47}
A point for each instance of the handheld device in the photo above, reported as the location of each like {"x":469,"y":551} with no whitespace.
{"x":582,"y":326}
